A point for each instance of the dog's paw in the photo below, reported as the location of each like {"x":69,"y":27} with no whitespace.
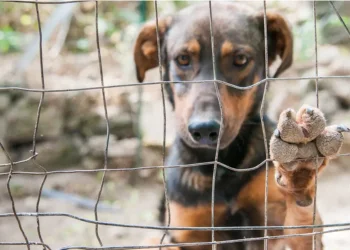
{"x":304,"y":135}
{"x":298,"y":140}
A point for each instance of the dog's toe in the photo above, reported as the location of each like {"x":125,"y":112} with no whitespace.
{"x":282,"y":151}
{"x":289,"y":130}
{"x":329,"y":142}
{"x":312,"y":122}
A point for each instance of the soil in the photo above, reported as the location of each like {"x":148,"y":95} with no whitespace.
{"x":135,"y":204}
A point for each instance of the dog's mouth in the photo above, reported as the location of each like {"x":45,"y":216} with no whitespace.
{"x":209,"y":143}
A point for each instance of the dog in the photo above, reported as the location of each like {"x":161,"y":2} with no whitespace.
{"x":239,"y":51}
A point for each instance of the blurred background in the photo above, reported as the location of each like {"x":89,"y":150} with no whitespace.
{"x":72,"y":130}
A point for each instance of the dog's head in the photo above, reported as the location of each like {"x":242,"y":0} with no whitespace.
{"x":185,"y":41}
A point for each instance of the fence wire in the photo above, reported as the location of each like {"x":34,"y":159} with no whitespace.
{"x":27,"y":243}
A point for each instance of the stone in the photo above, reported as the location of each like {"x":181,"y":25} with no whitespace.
{"x":150,"y":157}
{"x":86,"y":116}
{"x":91,"y":163}
{"x":2,"y":130}
{"x":56,"y":154}
{"x":79,"y":113}
{"x":120,"y":122}
{"x":121,"y":154}
{"x":3,"y":160}
{"x":280,"y":102}
{"x":5,"y":101}
{"x":20,"y":120}
{"x":152,"y":123}
{"x":341,"y":89}
{"x":306,"y":86}
{"x":95,"y":145}
{"x":327,"y":101}
{"x":117,"y":148}
{"x":323,"y":54}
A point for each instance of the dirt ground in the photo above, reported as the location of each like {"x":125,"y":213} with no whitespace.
{"x":129,"y":204}
{"x":134,"y":205}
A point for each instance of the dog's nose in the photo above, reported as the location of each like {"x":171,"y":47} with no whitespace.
{"x":205,"y":132}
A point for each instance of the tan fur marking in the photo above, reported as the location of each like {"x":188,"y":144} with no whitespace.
{"x":148,"y":49}
{"x":243,"y":74}
{"x":236,"y":109}
{"x":196,"y":216}
{"x":226,"y":48}
{"x":193,"y":47}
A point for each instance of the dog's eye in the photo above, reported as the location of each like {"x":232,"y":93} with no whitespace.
{"x":240,"y":60}
{"x":183,"y":60}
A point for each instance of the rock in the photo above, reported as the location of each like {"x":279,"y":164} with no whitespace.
{"x":117,"y":148}
{"x":121,"y":154}
{"x":150,"y":157}
{"x":341,"y":117}
{"x":95,"y":145}
{"x":323,"y":55}
{"x":120,"y":122}
{"x":92,"y":163}
{"x":86,"y":116}
{"x":309,"y":85}
{"x":328,"y":102}
{"x":340,"y":66}
{"x":123,"y":148}
{"x":338,"y":87}
{"x":3,"y":160}
{"x":280,"y":102}
{"x":341,"y":89}
{"x":5,"y":101}
{"x":2,"y":129}
{"x":21,"y":118}
{"x":13,"y":80}
{"x":79,"y":115}
{"x":152,"y":123}
{"x":56,"y":154}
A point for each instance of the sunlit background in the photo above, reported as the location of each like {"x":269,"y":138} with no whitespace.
{"x":72,"y":129}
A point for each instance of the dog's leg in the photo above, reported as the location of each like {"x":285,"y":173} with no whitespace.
{"x":154,"y":240}
{"x":197,"y":216}
{"x":300,"y":147}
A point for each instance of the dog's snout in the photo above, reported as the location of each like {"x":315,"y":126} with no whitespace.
{"x":205,"y":132}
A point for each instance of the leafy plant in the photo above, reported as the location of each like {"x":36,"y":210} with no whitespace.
{"x":10,"y":40}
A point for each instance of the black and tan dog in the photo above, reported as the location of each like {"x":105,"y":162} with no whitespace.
{"x":239,"y":196}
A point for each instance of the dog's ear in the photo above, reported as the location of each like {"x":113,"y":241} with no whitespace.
{"x":280,"y":40}
{"x":146,"y":50}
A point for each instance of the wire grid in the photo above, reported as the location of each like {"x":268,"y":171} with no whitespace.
{"x":337,"y":226}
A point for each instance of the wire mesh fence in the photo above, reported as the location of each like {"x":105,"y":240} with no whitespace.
{"x":327,"y":228}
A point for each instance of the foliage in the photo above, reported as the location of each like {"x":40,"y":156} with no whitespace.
{"x":17,"y":20}
{"x":10,"y":41}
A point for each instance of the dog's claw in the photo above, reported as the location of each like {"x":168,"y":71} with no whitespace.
{"x":277,"y":133}
{"x":309,"y":111}
{"x":289,"y":113}
{"x":342,"y":128}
